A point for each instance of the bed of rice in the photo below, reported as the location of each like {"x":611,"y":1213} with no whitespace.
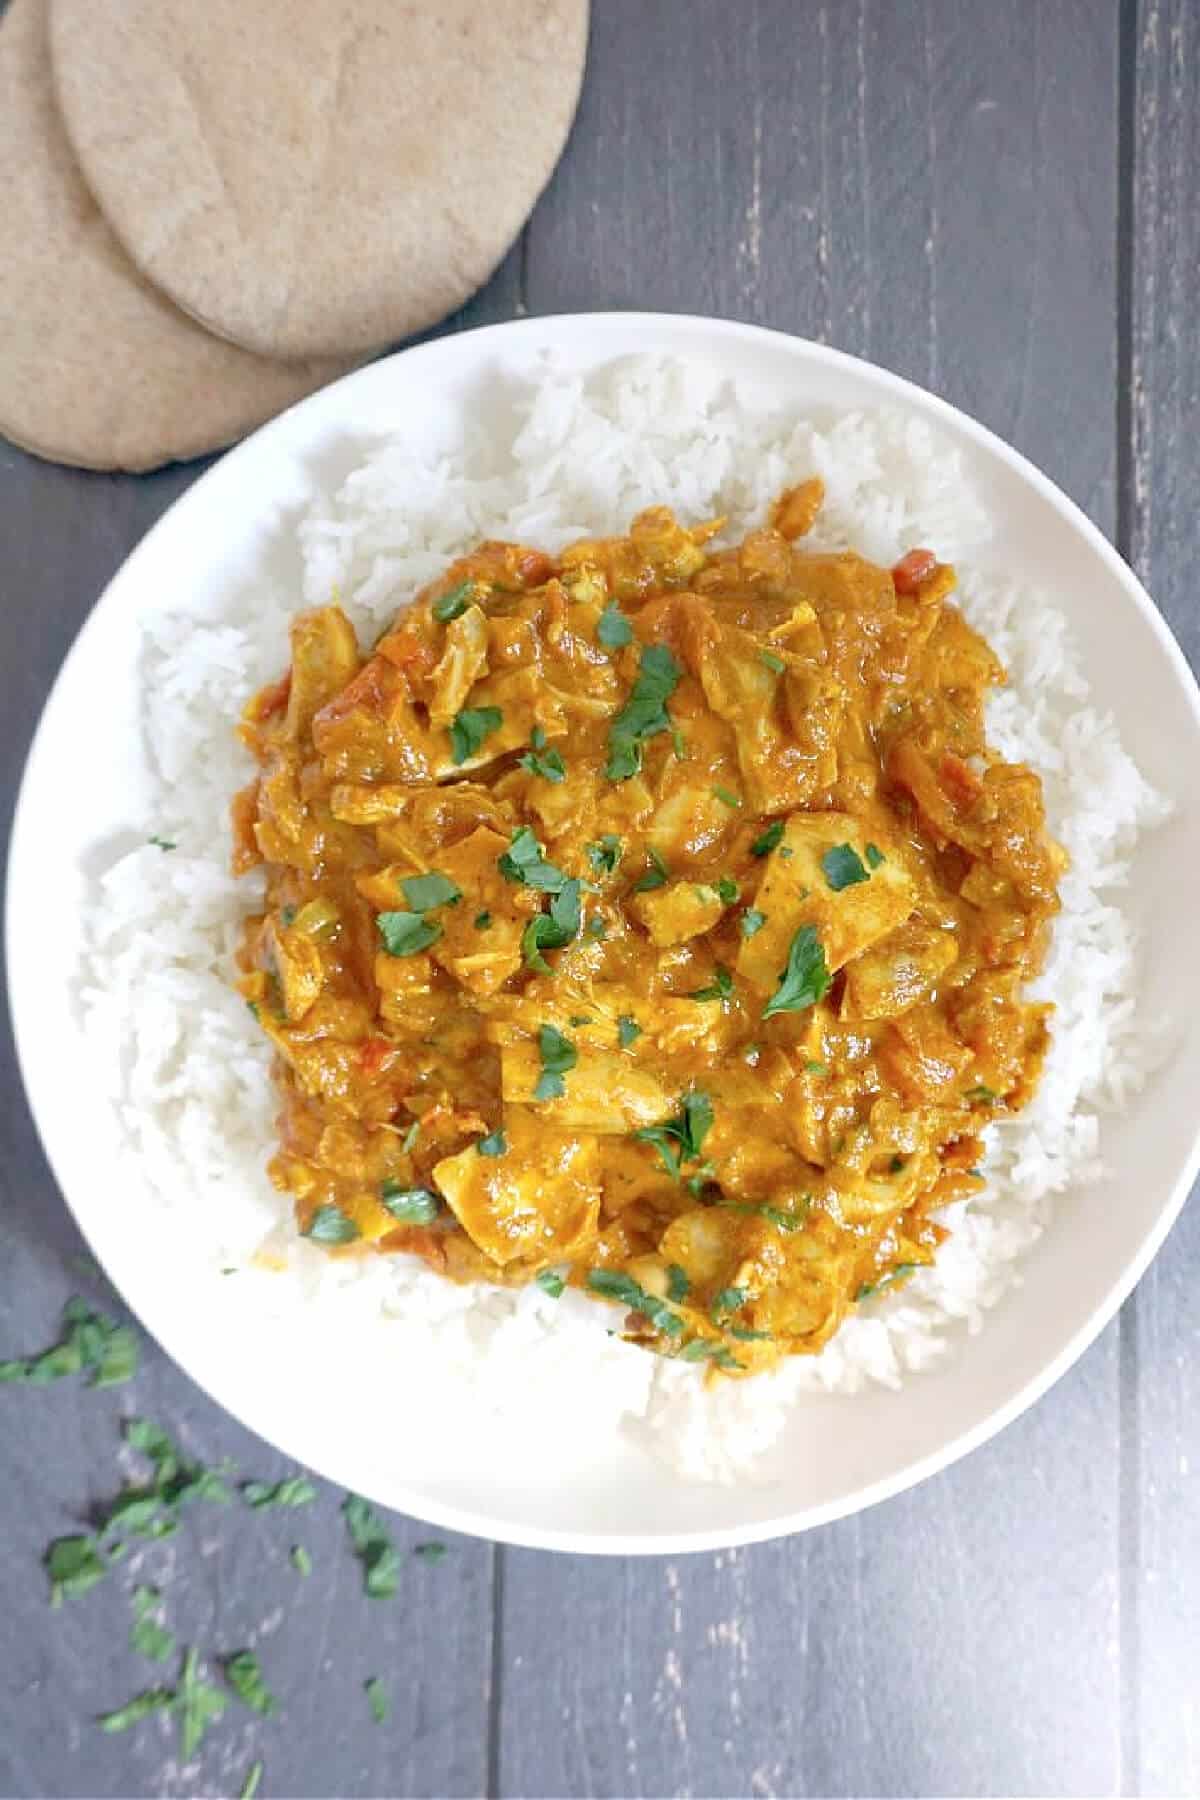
{"x":188,"y":1073}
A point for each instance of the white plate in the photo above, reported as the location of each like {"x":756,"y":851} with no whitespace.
{"x":293,"y":1379}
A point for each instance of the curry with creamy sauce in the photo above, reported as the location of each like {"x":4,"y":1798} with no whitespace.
{"x":652,"y":918}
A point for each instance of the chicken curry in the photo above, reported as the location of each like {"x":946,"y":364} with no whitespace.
{"x":652,"y":918}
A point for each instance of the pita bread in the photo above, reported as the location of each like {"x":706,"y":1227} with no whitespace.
{"x":309,"y":178}
{"x":96,"y":368}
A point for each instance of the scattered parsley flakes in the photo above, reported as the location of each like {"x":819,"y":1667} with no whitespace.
{"x":874,"y":856}
{"x":728,"y":890}
{"x":294,"y":1491}
{"x":769,"y":660}
{"x":495,"y":1144}
{"x":523,"y":862}
{"x":330,"y":1225}
{"x":596,"y":928}
{"x":410,"y":1205}
{"x":469,"y":728}
{"x":985,"y":1095}
{"x":752,"y":921}
{"x":656,"y":876}
{"x":558,"y":1056}
{"x":721,"y":987}
{"x":611,"y":1284}
{"x":605,"y":853}
{"x":301,"y":1560}
{"x":552,"y":1282}
{"x":424,"y":892}
{"x":134,"y":1711}
{"x":805,"y":980}
{"x":644,"y":714}
{"x":885,"y":1281}
{"x":613,"y":628}
{"x":244,"y":1676}
{"x":373,"y":1546}
{"x":677,"y":1283}
{"x":729,"y":1300}
{"x":709,"y":1350}
{"x":410,"y":1137}
{"x":843,"y":867}
{"x":199,"y":1705}
{"x":250,"y":1785}
{"x":147,"y":1636}
{"x":540,"y":761}
{"x":162,"y":843}
{"x":817,"y":1068}
{"x":74,"y":1564}
{"x":769,"y":840}
{"x":406,"y":933}
{"x":628,"y":1030}
{"x":90,"y":1341}
{"x":377,"y":1699}
{"x":454,"y":602}
{"x":552,"y":930}
{"x":680,"y":1139}
{"x":726,"y":796}
{"x":482,"y":921}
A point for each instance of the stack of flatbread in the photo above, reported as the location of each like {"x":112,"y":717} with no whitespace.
{"x":212,"y":210}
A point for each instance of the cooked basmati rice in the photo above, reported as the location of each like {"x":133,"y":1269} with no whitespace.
{"x":579,"y":457}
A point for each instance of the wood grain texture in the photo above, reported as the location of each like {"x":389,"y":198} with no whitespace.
{"x":1162,"y":1321}
{"x":935,"y":188}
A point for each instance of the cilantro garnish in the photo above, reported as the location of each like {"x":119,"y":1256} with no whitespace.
{"x":409,"y":1205}
{"x":656,"y":876}
{"x":433,"y":1552}
{"x":89,"y":1341}
{"x":495,"y":1144}
{"x":769,"y":660}
{"x":74,"y":1564}
{"x":680,"y":1140}
{"x":885,"y":1281}
{"x":729,"y":1300}
{"x":523,"y":862}
{"x":406,"y":933}
{"x":726,"y":796}
{"x":470,"y":727}
{"x":424,"y":892}
{"x":721,"y":987}
{"x":373,"y":1546}
{"x":250,"y":1785}
{"x":605,"y":854}
{"x":806,"y":978}
{"x":551,"y":930}
{"x":301,"y":1560}
{"x":627,"y":1031}
{"x":613,"y":628}
{"x":769,"y":840}
{"x":728,"y":890}
{"x":644,"y":714}
{"x":611,"y":1284}
{"x":140,"y":1707}
{"x":552,"y":1282}
{"x":482,"y":921}
{"x":843,"y":867}
{"x":245,"y":1678}
{"x":985,"y":1095}
{"x":162,"y":843}
{"x":540,"y":761}
{"x":330,"y":1225}
{"x":147,"y":1636}
{"x":874,"y":856}
{"x":449,"y":605}
{"x":558,"y":1056}
{"x":752,"y":921}
{"x":677,"y":1283}
{"x":199,"y":1705}
{"x":709,"y":1350}
{"x":377,"y":1699}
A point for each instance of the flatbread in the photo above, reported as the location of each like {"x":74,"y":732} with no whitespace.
{"x":96,"y":368}
{"x":318,"y":177}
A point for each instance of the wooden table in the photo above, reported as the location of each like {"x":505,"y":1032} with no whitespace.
{"x":998,"y":201}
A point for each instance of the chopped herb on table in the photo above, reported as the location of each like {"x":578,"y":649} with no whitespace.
{"x":294,"y":1491}
{"x":244,"y":1676}
{"x":373,"y":1546}
{"x":90,"y":1342}
{"x":377,"y":1699}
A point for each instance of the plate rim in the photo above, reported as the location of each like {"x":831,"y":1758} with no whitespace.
{"x":400,"y":1497}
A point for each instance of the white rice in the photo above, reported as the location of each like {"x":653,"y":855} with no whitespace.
{"x":191,"y":1083}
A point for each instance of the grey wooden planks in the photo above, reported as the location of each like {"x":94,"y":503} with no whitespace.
{"x":936,"y":188}
{"x":1161,"y":1594}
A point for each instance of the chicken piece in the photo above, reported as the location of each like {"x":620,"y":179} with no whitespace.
{"x":743,"y":689}
{"x":606,"y":1091}
{"x":678,"y":911}
{"x":537,"y":1202}
{"x":463,"y":660}
{"x":899,"y":970}
{"x":826,"y":872}
{"x":325,"y":657}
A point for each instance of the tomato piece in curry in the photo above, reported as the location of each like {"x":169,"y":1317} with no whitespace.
{"x":653,"y":918}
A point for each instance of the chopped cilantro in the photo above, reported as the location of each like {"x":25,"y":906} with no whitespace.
{"x":761,"y":1209}
{"x":806,"y":978}
{"x":294,"y":1491}
{"x":410,"y":1137}
{"x":729,"y":1300}
{"x":769,"y":660}
{"x":558,"y":1056}
{"x":432,"y":1552}
{"x":677,"y":1283}
{"x":644,"y":714}
{"x":523,"y":862}
{"x":198,"y":1703}
{"x":551,"y":930}
{"x":552,"y":1282}
{"x":721,"y":987}
{"x":74,"y":1564}
{"x":482,"y":921}
{"x":817,"y":1068}
{"x":410,"y":1205}
{"x":373,"y":1546}
{"x":469,"y":728}
{"x":301,"y":1560}
{"x":134,"y":1711}
{"x":985,"y":1095}
{"x":495,"y":1144}
{"x":605,"y":853}
{"x":769,"y":839}
{"x":874,"y":856}
{"x":611,"y":1284}
{"x":679,"y":744}
{"x":405,"y":933}
{"x":726,"y":796}
{"x":424,"y":892}
{"x":627,"y":1031}
{"x":896,"y":1164}
{"x":90,"y":1341}
{"x":245,"y":1678}
{"x":162,"y":843}
{"x":656,"y":876}
{"x":147,"y":1637}
{"x":454,"y":602}
{"x":752,"y":921}
{"x":540,"y":761}
{"x":709,"y":1350}
{"x":843,"y":867}
{"x":250,"y":1785}
{"x":728,"y":889}
{"x":330,"y":1225}
{"x":596,"y":928}
{"x":680,"y":1139}
{"x":377,"y":1699}
{"x":885,"y":1281}
{"x":613,"y":628}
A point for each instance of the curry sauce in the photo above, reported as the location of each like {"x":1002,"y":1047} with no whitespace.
{"x":652,"y":917}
